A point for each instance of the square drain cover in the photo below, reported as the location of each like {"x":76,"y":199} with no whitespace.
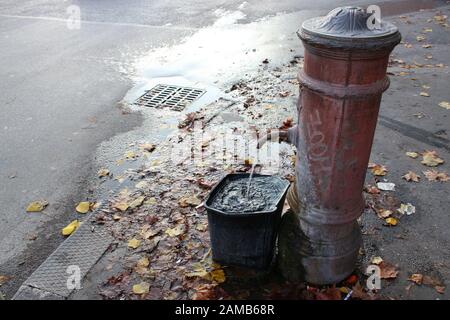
{"x":169,"y":96}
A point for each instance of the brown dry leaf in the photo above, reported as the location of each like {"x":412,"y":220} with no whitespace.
{"x":103,"y":173}
{"x":189,"y":201}
{"x":440,"y":289}
{"x":141,"y":288}
{"x":411,"y":176}
{"x":384,"y":213}
{"x":205,"y":292}
{"x":413,"y":155}
{"x":424,"y":94}
{"x":4,"y":279}
{"x":37,"y":206}
{"x":427,"y":46}
{"x":416,"y":278}
{"x":134,"y":243}
{"x":445,"y":105}
{"x":83,"y":207}
{"x":387,"y":271}
{"x":379,"y":170}
{"x":431,"y":159}
{"x":434,"y":175}
{"x":372,"y":190}
{"x":391,"y":221}
{"x":218,"y":275}
{"x":328,"y":294}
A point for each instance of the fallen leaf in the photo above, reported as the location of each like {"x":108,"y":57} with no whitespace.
{"x":205,"y":292}
{"x":427,"y":46}
{"x":411,"y":176}
{"x":420,"y":38}
{"x":144,"y":262}
{"x":372,"y":190}
{"x":130,"y":155}
{"x":70,"y":228}
{"x":83,"y":207}
{"x":407,"y":209}
{"x":174,"y":232}
{"x":445,"y":105}
{"x":427,"y":30}
{"x":379,"y":170}
{"x":122,"y":206}
{"x":424,"y":94}
{"x":37,"y":206}
{"x":201,"y":227}
{"x":376,"y":260}
{"x":413,"y":155}
{"x":151,"y":201}
{"x":141,"y":288}
{"x":416,"y":278}
{"x":391,"y":221}
{"x":434,"y":175}
{"x":134,"y":243}
{"x":440,"y":289}
{"x":103,"y":173}
{"x":431,"y":159}
{"x":218,"y":275}
{"x":386,"y":186}
{"x":189,"y":201}
{"x":387,"y":271}
{"x":147,"y":147}
{"x":384,"y":213}
{"x":137,"y":202}
{"x":3,"y":280}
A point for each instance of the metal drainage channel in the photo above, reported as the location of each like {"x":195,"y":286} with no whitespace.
{"x":169,"y":96}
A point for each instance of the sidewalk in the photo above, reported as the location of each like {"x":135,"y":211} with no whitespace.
{"x":161,"y":244}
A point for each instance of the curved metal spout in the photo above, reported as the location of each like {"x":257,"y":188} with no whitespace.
{"x":290,"y":136}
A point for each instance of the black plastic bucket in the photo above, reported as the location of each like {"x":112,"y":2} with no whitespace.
{"x":245,"y":239}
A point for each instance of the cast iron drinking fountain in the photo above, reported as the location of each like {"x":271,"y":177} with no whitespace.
{"x":341,"y":85}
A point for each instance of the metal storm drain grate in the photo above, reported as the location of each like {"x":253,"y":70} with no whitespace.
{"x":169,"y":96}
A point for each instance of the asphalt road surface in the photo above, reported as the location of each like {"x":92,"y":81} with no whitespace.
{"x":60,"y":93}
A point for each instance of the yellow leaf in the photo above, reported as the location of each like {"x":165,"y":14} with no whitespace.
{"x":376,"y":260}
{"x":174,"y":232}
{"x":141,"y":288}
{"x":431,"y":159}
{"x":122,"y":206}
{"x":134,"y":243}
{"x":412,"y":154}
{"x":143,"y":262}
{"x":445,"y":105}
{"x":70,"y":228}
{"x":391,"y":221}
{"x":137,"y":202}
{"x":151,"y":201}
{"x":201,"y":227}
{"x":218,"y":275}
{"x":83,"y":207}
{"x":130,"y":155}
{"x":103,"y":173}
{"x":37,"y":206}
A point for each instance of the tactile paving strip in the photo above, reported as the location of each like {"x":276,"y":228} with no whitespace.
{"x":83,"y":249}
{"x":169,"y":96}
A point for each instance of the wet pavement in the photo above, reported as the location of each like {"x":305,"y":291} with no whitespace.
{"x":201,"y":58}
